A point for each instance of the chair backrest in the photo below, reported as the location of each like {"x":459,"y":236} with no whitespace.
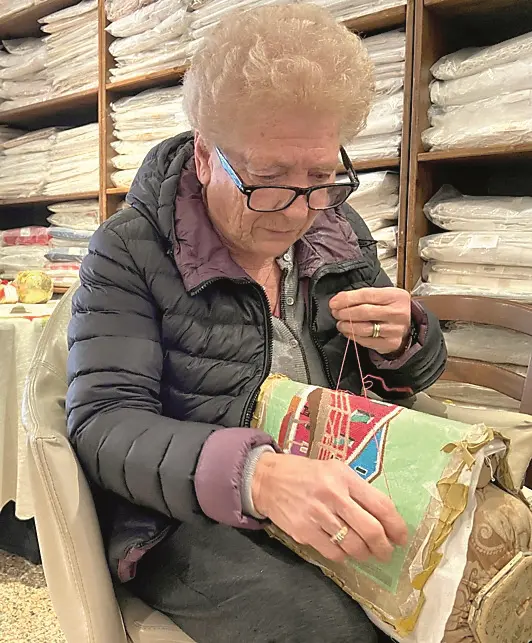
{"x":492,"y":312}
{"x":69,"y":534}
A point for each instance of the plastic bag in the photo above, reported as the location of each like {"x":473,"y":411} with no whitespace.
{"x":371,"y":147}
{"x":143,"y":19}
{"x":66,"y":255}
{"x":387,"y":237}
{"x":76,"y":215}
{"x":471,"y":396}
{"x":501,"y":248}
{"x":116,"y":9}
{"x":474,"y":270}
{"x":506,"y":78}
{"x":521,"y":292}
{"x":29,"y":236}
{"x":70,"y":234}
{"x":487,"y":343}
{"x":123,"y":178}
{"x":451,"y":210}
{"x":79,"y":9}
{"x":172,"y":27}
{"x":474,"y":60}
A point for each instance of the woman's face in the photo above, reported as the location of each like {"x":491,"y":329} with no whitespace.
{"x":293,"y":151}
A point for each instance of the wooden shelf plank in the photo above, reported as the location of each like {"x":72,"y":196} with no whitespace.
{"x":116,"y":191}
{"x":376,"y":164}
{"x":476,"y":154}
{"x":386,"y":19}
{"x":51,"y":110}
{"x":44,"y":200}
{"x":25,"y":23}
{"x":148,"y":81}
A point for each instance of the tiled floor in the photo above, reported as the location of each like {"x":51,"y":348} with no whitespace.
{"x":26,"y":614}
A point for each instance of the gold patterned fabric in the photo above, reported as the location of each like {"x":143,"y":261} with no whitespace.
{"x":502,"y":531}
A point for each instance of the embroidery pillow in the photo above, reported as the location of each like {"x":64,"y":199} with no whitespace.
{"x":428,"y":465}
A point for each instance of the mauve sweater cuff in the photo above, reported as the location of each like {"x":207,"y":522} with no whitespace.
{"x":420,"y":321}
{"x":219,"y":475}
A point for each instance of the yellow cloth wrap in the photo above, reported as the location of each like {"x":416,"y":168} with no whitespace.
{"x":34,"y":287}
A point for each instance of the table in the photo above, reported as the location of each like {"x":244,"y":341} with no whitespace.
{"x":21,"y":326}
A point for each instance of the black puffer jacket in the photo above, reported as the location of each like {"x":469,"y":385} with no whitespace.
{"x":170,"y":342}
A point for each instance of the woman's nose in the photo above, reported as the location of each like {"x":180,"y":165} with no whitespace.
{"x":298,"y":209}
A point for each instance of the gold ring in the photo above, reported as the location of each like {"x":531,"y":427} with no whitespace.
{"x":340,"y":535}
{"x":376,"y":331}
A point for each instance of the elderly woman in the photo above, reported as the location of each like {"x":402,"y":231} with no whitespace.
{"x":238,"y":258}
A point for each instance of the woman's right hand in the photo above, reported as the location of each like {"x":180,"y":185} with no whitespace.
{"x":312,"y":500}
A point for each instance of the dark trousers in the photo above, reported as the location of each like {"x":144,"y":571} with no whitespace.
{"x":221,"y":585}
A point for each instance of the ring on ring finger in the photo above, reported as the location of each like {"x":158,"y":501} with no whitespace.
{"x":376,"y":330}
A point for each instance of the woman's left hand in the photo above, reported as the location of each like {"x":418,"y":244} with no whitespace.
{"x":377,"y":318}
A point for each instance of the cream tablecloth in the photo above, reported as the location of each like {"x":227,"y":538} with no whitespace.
{"x":20,"y":329}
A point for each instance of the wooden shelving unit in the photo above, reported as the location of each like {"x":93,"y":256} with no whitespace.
{"x":85,"y":106}
{"x":442,"y":27}
{"x":51,"y":111}
{"x":46,"y":200}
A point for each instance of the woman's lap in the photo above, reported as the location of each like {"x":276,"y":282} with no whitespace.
{"x":221,"y":586}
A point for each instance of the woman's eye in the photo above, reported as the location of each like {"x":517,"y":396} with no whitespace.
{"x":321,"y":178}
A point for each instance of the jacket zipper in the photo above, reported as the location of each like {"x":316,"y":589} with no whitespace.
{"x":283,"y":318}
{"x":247,"y":413}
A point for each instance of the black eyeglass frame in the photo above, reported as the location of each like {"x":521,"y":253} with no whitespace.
{"x":248,"y":190}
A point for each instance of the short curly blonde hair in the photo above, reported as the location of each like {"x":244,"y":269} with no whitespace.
{"x":277,"y":58}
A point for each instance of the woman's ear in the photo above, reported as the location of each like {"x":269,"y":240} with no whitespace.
{"x":202,"y":156}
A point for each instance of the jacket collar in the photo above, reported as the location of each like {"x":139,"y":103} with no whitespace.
{"x":201,"y":256}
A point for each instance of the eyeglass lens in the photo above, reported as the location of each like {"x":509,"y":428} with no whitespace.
{"x":271,"y":199}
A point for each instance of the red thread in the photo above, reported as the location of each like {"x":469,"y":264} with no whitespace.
{"x":365,"y":387}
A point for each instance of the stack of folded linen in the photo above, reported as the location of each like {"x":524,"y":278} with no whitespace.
{"x":141,"y":122}
{"x":381,"y":138}
{"x":482,"y":96}
{"x":486,"y":249}
{"x":24,"y":163}
{"x":377,"y":202}
{"x":74,"y":161}
{"x":72,"y":47}
{"x":23,"y":77}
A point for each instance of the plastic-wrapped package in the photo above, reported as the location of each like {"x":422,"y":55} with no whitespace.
{"x":471,"y":396}
{"x":13,"y":259}
{"x":376,"y":188}
{"x":139,"y":121}
{"x":29,"y":236}
{"x":500,"y":79}
{"x":474,"y":60}
{"x":513,"y":290}
{"x":72,"y":47}
{"x":488,"y":343}
{"x":70,"y":234}
{"x":75,"y":215}
{"x":63,"y":275}
{"x":116,"y":9}
{"x":497,"y":125}
{"x":387,"y":237}
{"x":501,"y":248}
{"x":170,"y":28}
{"x":374,"y":147}
{"x":451,"y":210}
{"x":473,"y":270}
{"x":24,"y":164}
{"x":123,"y":178}
{"x":66,"y":255}
{"x":144,"y":19}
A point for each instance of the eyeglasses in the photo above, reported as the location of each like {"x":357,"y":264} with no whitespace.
{"x":273,"y":198}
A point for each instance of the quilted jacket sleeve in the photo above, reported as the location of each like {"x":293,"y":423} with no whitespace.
{"x":423,"y":363}
{"x":115,"y":419}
